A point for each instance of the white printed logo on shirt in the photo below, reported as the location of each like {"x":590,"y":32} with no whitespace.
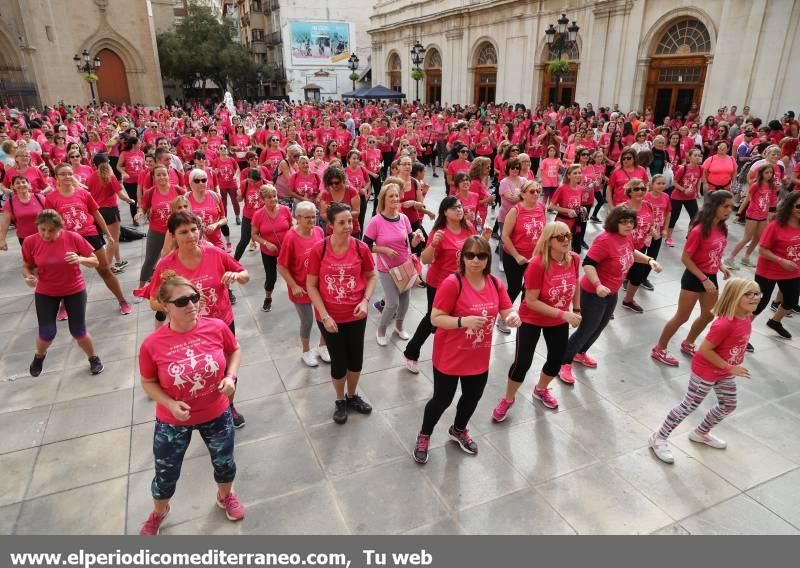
{"x":192,"y":371}
{"x":75,"y":219}
{"x":340,"y":285}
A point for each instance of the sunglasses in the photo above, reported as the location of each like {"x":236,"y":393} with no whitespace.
{"x":797,"y":205}
{"x":483,"y":256}
{"x":628,"y":222}
{"x":563,"y":238}
{"x":464,"y":152}
{"x":625,"y":158}
{"x":637,"y":188}
{"x":200,"y":180}
{"x":183,"y":301}
{"x":753,"y":294}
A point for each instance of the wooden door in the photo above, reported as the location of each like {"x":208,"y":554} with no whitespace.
{"x":112,"y":79}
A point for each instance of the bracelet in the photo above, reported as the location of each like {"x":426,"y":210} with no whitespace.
{"x":459,"y":321}
{"x":325,"y":318}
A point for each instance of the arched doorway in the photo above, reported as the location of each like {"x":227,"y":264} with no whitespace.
{"x":395,"y":73}
{"x":560,"y":92}
{"x":485,"y":74}
{"x":433,"y":76}
{"x":112,"y":79}
{"x":677,"y":70}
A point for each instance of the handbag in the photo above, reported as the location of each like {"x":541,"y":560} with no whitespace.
{"x":404,"y":276}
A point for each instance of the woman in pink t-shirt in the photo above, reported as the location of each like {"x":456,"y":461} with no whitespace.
{"x":105,"y":189}
{"x":521,"y":230}
{"x":686,"y":186}
{"x":269,"y":227}
{"x":551,"y":286}
{"x":715,"y":367}
{"x":464,"y":312}
{"x":131,"y":165}
{"x":567,"y":203}
{"x":643,"y":234}
{"x":468,"y":199}
{"x":756,"y":208}
{"x":21,"y":210}
{"x":702,"y":256}
{"x":189,"y":369}
{"x":340,"y":281}
{"x":549,"y":172}
{"x":719,"y":170}
{"x":628,"y":170}
{"x":227,"y":171}
{"x":207,"y":204}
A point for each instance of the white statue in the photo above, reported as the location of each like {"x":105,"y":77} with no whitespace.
{"x":228,"y":102}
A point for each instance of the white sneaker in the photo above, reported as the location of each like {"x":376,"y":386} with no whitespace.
{"x":382,"y":340}
{"x":310,"y":358}
{"x":707,"y":439}
{"x":660,"y":448}
{"x":402,"y":334}
{"x":502,"y":326}
{"x":502,"y":268}
{"x":412,"y":366}
{"x":322,"y":351}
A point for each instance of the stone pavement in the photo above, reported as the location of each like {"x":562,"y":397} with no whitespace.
{"x":76,"y":450}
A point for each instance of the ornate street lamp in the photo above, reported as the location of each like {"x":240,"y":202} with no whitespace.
{"x":353,"y":64}
{"x":88,"y":68}
{"x":560,"y":40}
{"x":417,"y":55}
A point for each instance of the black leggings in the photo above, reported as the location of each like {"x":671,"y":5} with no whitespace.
{"x":346,"y":347}
{"x":424,"y":329}
{"x":556,"y":338}
{"x":790,"y":289}
{"x":226,"y":230}
{"x":638,"y":272}
{"x":244,"y":238}
{"x":47,"y":309}
{"x":444,"y":390}
{"x":362,"y":212}
{"x":600,"y":197}
{"x":514,"y":274}
{"x":271,"y":270}
{"x":677,"y":205}
{"x":130,"y":189}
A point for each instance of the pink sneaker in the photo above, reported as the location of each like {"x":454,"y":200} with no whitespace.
{"x":229,"y":247}
{"x":670,"y":242}
{"x":545,"y":396}
{"x":234,"y":509}
{"x":501,"y":410}
{"x":585,"y":360}
{"x":124,"y":308}
{"x":687,"y":348}
{"x":663,"y":356}
{"x":152,"y":526}
{"x":565,"y":374}
{"x":62,"y":313}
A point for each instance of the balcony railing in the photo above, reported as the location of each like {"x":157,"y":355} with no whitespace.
{"x":273,"y":38}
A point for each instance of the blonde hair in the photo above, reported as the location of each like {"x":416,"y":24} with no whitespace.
{"x":105,"y":172}
{"x":542,"y":249}
{"x":386,"y":188}
{"x":266,"y":189}
{"x":170,"y":280}
{"x":175,"y":204}
{"x":654,"y":179}
{"x":734,"y":291}
{"x":569,"y":171}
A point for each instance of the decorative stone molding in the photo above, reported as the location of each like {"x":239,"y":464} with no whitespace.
{"x":456,"y":33}
{"x":608,"y":8}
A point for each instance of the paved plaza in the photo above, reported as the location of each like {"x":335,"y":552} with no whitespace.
{"x":76,"y":450}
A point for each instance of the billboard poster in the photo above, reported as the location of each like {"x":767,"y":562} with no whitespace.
{"x":320,"y":43}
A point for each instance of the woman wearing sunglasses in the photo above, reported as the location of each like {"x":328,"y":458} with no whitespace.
{"x":628,"y":170}
{"x":207,"y":205}
{"x":189,"y":369}
{"x":270,"y":225}
{"x":209,"y":268}
{"x":607,"y":262}
{"x":643,"y":234}
{"x":567,"y":203}
{"x":551,"y":286}
{"x":521,"y":230}
{"x":464,"y":310}
{"x":337,"y":190}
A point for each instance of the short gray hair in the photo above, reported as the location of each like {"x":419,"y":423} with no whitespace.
{"x":304,"y":207}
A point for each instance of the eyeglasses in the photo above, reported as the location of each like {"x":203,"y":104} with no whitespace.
{"x":753,"y":294}
{"x":514,"y":168}
{"x":624,"y":158}
{"x":628,"y":222}
{"x":562,"y":238}
{"x":200,"y":180}
{"x":183,"y":301}
{"x":463,"y":152}
{"x":482,"y":256}
{"x":74,"y":155}
{"x":637,"y":188}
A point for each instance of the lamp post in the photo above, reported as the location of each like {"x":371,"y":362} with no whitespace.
{"x":87,"y":68}
{"x":353,"y":64}
{"x":560,"y":40}
{"x":417,"y":55}
{"x":260,"y":85}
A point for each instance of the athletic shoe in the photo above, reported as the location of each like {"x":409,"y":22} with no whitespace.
{"x":382,"y":340}
{"x":234,"y":509}
{"x":152,"y":526}
{"x":731,"y":264}
{"x":95,"y":365}
{"x":267,"y":305}
{"x":565,"y":374}
{"x":412,"y":366}
{"x":584,"y":246}
{"x":663,"y":356}
{"x":62,"y":313}
{"x":340,"y":412}
{"x":707,"y":439}
{"x":238,"y":419}
{"x":747,"y":262}
{"x":633,"y":306}
{"x":774,"y":306}
{"x":688,"y":348}
{"x":585,"y":360}
{"x":595,"y":220}
{"x":252,"y":246}
{"x":795,"y":310}
{"x":778,"y":328}
{"x":125,"y":308}
{"x":421,"y":448}
{"x":463,"y":439}
{"x":355,"y":402}
{"x":379,"y":305}
{"x":670,"y":242}
{"x":546,"y":397}
{"x":232,"y":297}
{"x":37,"y":365}
{"x":501,"y":410}
{"x":121,"y":264}
{"x":229,"y":247}
{"x":310,"y":358}
{"x":116,"y":269}
{"x":502,"y":327}
{"x":647,"y":285}
{"x":238,"y":220}
{"x":750,"y":348}
{"x":322,"y":352}
{"x":625,"y":285}
{"x":502,"y":268}
{"x":420,"y":283}
{"x":660,"y":448}
{"x":436,"y":175}
{"x":402,"y":334}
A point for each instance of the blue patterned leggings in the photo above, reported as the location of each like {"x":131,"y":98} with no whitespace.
{"x":698,"y":389}
{"x":170,"y":443}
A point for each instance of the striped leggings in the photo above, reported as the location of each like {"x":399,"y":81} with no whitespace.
{"x":698,"y":389}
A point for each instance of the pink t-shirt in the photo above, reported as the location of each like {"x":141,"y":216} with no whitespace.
{"x":76,"y":210}
{"x":105,"y":194}
{"x":157,"y":204}
{"x":619,"y":177}
{"x":548,"y":171}
{"x":509,"y":187}
{"x":458,"y":166}
{"x":326,"y":197}
{"x":391,"y":233}
{"x":527,"y":228}
{"x":706,"y":252}
{"x":56,"y":276}
{"x":463,"y":351}
{"x":730,"y":335}
{"x":358,"y":179}
{"x":210,"y":211}
{"x":33,"y":175}
{"x":207,"y":277}
{"x":477,"y":187}
{"x":342,"y":279}
{"x":134,"y":165}
{"x":470,"y":204}
{"x":569,"y":198}
{"x":227,"y":171}
{"x":644,"y":221}
{"x":760,"y":198}
{"x":688,"y":177}
{"x":613,"y":254}
{"x":294,"y":255}
{"x":719,"y":171}
{"x":447,"y":255}
{"x":661,"y":209}
{"x":24,"y":214}
{"x":272,"y":229}
{"x":785,"y":243}
{"x":308,"y":185}
{"x":556,"y":288}
{"x":189,"y":368}
{"x":271,"y":158}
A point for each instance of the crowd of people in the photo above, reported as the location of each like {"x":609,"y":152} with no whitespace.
{"x":521,"y":184}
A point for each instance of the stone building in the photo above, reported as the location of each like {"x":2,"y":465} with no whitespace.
{"x":38,"y":39}
{"x":664,"y":54}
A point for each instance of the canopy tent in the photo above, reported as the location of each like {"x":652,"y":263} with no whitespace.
{"x":377,"y":92}
{"x":357,"y":94}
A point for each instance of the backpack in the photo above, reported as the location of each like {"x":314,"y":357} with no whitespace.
{"x":325,"y":246}
{"x":492,"y":277}
{"x":11,"y":204}
{"x":277,"y":172}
